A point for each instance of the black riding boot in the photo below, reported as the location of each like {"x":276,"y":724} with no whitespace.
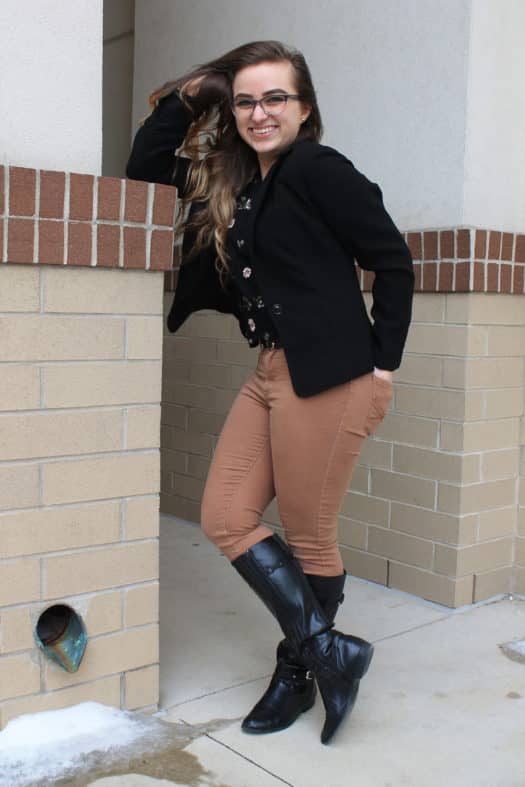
{"x":292,"y":686}
{"x":337,"y":660}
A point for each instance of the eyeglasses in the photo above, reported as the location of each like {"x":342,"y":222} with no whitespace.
{"x":270,"y":105}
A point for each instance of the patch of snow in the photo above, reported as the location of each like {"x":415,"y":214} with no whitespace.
{"x":517,"y":647}
{"x":515,"y":650}
{"x":39,"y":747}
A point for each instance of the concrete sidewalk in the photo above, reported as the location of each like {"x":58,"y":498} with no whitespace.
{"x":441,"y":704}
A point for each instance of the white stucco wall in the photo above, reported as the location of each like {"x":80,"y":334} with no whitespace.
{"x":391,"y":79}
{"x":495,"y":150}
{"x":51,"y":84}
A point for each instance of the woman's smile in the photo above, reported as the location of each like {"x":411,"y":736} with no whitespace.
{"x":263,"y":131}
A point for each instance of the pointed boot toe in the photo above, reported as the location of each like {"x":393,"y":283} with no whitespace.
{"x":339,"y":661}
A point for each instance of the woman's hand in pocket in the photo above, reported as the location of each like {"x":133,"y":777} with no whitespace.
{"x":384,"y":374}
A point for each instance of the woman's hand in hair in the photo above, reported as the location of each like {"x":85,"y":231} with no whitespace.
{"x":191,"y":88}
{"x":205,"y":92}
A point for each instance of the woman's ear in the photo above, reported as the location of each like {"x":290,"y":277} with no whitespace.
{"x":306,"y":112}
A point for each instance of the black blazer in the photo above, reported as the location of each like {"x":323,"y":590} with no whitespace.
{"x":315,"y":215}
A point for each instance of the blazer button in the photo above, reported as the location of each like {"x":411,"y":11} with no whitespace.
{"x":276,"y":309}
{"x":240,"y":243}
{"x":246,"y":272}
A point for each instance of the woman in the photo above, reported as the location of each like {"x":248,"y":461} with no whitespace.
{"x":275,"y":223}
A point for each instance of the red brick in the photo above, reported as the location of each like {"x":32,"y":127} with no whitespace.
{"x":415,"y":245}
{"x":51,"y":242}
{"x":430,"y":245}
{"x":368,"y":280}
{"x":517,"y":283}
{"x":494,"y":245}
{"x":446,"y":245}
{"x":2,"y":240}
{"x":134,"y":247}
{"x":79,"y":244}
{"x":479,"y":277}
{"x":429,"y":276}
{"x":507,"y":243}
{"x":22,"y":190}
{"x":492,"y":277}
{"x":519,"y":252}
{"x":161,"y":256}
{"x":52,"y":188}
{"x":108,"y":206}
{"x":108,"y":243}
{"x":463,"y":244}
{"x":418,"y":275}
{"x":81,"y":197}
{"x":2,"y":201}
{"x":462,"y":277}
{"x":164,"y":205}
{"x":20,"y":240}
{"x":446,"y":276}
{"x":505,"y":278}
{"x":480,"y":247}
{"x":136,"y":201}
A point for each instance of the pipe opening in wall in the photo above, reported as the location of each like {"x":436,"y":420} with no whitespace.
{"x":61,"y":634}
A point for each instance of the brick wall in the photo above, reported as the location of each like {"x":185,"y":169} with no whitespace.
{"x":80,"y":384}
{"x":432,"y":508}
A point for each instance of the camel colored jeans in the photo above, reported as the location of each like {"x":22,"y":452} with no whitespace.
{"x":302,"y":450}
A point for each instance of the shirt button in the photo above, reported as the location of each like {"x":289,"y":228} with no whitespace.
{"x":240,"y":243}
{"x":251,"y":324}
{"x":247,"y":272}
{"x":276,"y":309}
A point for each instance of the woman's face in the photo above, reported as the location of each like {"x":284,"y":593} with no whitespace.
{"x":268,"y":134}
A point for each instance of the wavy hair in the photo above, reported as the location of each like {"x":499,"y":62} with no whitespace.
{"x":222,"y":164}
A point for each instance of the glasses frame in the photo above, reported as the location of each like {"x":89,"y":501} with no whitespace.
{"x":243,"y":112}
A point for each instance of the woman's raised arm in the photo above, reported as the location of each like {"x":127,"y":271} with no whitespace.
{"x":152,"y":156}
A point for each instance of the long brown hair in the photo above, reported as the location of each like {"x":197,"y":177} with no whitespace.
{"x":222,"y":163}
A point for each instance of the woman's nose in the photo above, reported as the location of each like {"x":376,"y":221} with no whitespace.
{"x":258,"y":113}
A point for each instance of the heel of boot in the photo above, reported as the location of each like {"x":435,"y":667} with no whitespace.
{"x":362,"y":663}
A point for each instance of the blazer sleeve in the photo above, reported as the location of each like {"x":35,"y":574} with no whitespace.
{"x":352,"y":207}
{"x":152,"y":156}
{"x":153,"y":159}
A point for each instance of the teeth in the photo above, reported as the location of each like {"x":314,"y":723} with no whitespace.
{"x":263,"y":131}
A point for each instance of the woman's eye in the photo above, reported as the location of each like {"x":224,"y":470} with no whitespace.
{"x":274,"y":101}
{"x":243,"y":103}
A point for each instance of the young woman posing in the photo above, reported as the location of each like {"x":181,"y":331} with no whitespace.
{"x":275,"y":223}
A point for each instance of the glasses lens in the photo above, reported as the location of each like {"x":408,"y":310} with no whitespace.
{"x":273,"y":105}
{"x":243,"y":105}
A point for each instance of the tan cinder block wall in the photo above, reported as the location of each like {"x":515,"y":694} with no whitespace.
{"x":80,"y":385}
{"x":519,"y":569}
{"x":432,"y":507}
